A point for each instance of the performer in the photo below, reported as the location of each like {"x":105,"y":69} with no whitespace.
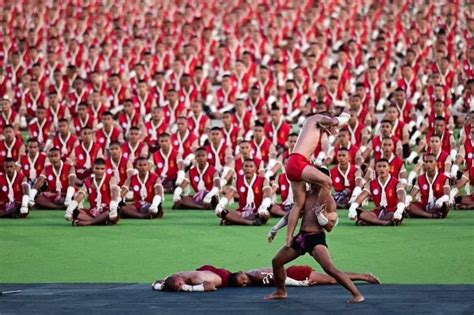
{"x":14,"y":194}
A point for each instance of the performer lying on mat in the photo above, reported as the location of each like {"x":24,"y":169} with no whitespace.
{"x":319,"y":212}
{"x":205,"y":278}
{"x":295,"y":276}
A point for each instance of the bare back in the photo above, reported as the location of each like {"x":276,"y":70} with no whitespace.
{"x":309,"y":137}
{"x":309,"y":222}
{"x":199,"y":277}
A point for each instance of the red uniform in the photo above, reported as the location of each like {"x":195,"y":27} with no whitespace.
{"x":202,"y":180}
{"x":32,"y":167}
{"x":143,"y":192}
{"x":75,"y":98}
{"x":390,"y":190}
{"x":397,"y":129}
{"x":250,"y":205}
{"x":154,"y":131}
{"x":239,"y":165}
{"x":469,"y":152}
{"x":66,"y":146}
{"x":166,"y":164}
{"x":261,"y":150}
{"x":396,"y":165}
{"x":285,"y":191}
{"x":198,"y":124}
{"x":104,"y":138}
{"x":231,"y":136}
{"x":216,"y":156}
{"x":119,"y":170}
{"x":243,"y":122}
{"x":12,"y":150}
{"x":15,"y":186}
{"x":58,"y":182}
{"x":184,"y":145}
{"x":445,"y":139}
{"x":85,"y":157}
{"x":33,"y":102}
{"x":278,"y":134}
{"x":132,"y":153}
{"x":343,"y":180}
{"x":7,"y":119}
{"x":437,"y":186}
{"x":127,"y":122}
{"x":100,"y":194}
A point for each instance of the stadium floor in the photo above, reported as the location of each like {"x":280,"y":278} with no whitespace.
{"x":139,"y":298}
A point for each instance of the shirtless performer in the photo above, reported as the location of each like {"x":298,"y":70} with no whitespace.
{"x":299,"y":169}
{"x":319,"y":214}
{"x":205,"y":278}
{"x":296,"y":276}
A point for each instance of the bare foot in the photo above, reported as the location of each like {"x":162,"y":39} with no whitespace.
{"x":278,"y":295}
{"x":371,"y":278}
{"x":356,"y":299}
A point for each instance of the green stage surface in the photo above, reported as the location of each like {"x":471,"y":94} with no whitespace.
{"x":45,"y":248}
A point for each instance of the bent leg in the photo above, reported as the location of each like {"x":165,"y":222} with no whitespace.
{"x":321,"y":254}
{"x":284,"y":256}
{"x":416,"y":211}
{"x":130,"y":211}
{"x":188,"y":203}
{"x":372,"y":219}
{"x":233,"y":217}
{"x":312,"y":175}
{"x":277,"y":211}
{"x":44,"y":203}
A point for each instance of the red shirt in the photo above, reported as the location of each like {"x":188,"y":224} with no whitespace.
{"x":51,"y":178}
{"x":16,"y":187}
{"x":343,"y":181}
{"x":390,"y":193}
{"x":166,"y":165}
{"x":105,"y":192}
{"x":143,"y":192}
{"x":206,"y":177}
{"x":119,"y":169}
{"x":257,"y":187}
{"x":27,"y":165}
{"x":437,"y":185}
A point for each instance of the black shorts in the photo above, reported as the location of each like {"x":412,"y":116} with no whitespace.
{"x":305,"y":242}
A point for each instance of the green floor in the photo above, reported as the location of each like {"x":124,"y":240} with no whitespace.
{"x":45,"y":248}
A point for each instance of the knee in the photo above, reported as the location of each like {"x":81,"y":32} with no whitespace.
{"x":276,"y":262}
{"x":331,"y":270}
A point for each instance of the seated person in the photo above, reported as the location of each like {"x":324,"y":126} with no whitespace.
{"x":103,"y":193}
{"x":254,"y":198}
{"x":205,"y":278}
{"x":204,"y":179}
{"x":347,"y":179}
{"x":463,"y":202}
{"x":117,"y":164}
{"x":147,"y":193}
{"x":32,"y":163}
{"x":14,"y":193}
{"x":85,"y":153}
{"x":287,"y":201}
{"x":59,"y":178}
{"x":434,"y":189}
{"x":165,"y":160}
{"x":388,"y":196}
{"x":303,"y":275}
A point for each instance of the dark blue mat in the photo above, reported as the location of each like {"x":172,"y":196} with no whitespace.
{"x":139,"y":299}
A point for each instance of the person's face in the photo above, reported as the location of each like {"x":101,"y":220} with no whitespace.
{"x":382,"y":169}
{"x":99,"y":170}
{"x":386,"y":129}
{"x":215,"y":136}
{"x":429,"y":164}
{"x":291,"y":142}
{"x":245,"y":149}
{"x":249,"y":168}
{"x":387,"y":146}
{"x":399,"y":97}
{"x":201,"y":157}
{"x":258,"y":132}
{"x":227,"y":119}
{"x":82,"y":111}
{"x":332,"y":85}
{"x":435,"y":143}
{"x":63,"y":127}
{"x":275,"y":115}
{"x":128,"y":107}
{"x":172,"y":96}
{"x":54,"y":157}
{"x":33,"y":147}
{"x":9,"y":167}
{"x":142,"y":166}
{"x":243,"y":280}
{"x":440,"y":126}
{"x":182,"y":125}
{"x":344,"y":137}
{"x":134,"y":135}
{"x":196,"y":107}
{"x":343,"y":157}
{"x":6,"y":106}
{"x":9,"y":133}
{"x":41,"y":114}
{"x":355,"y":102}
{"x":165,"y":142}
{"x":115,"y":151}
{"x":142,"y":88}
{"x":87,"y":135}
{"x":392,"y":113}
{"x":439,"y":107}
{"x":34,"y":86}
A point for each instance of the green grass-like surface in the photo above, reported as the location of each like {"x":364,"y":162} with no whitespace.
{"x":45,"y":248}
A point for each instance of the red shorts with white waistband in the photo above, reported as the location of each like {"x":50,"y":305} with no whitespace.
{"x":299,"y":273}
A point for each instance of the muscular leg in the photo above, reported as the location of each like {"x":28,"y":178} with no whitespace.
{"x":416,"y":211}
{"x":321,"y":254}
{"x":277,"y":211}
{"x":321,"y":278}
{"x":314,"y":176}
{"x":44,"y":203}
{"x":370,"y":218}
{"x":235,"y":218}
{"x":188,"y":203}
{"x":284,"y":256}
{"x":130,"y":211}
{"x":84,"y":219}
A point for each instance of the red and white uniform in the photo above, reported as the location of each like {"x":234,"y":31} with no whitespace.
{"x":166,"y":164}
{"x":104,"y":138}
{"x":184,"y":145}
{"x":85,"y":157}
{"x":202,"y":180}
{"x":431,"y":191}
{"x":198,"y":124}
{"x":445,"y":139}
{"x":353,"y":149}
{"x":133,"y":152}
{"x":58,"y":181}
{"x":32,"y":167}
{"x":384,"y":196}
{"x":80,"y":124}
{"x":33,"y":102}
{"x":118,"y":170}
{"x":65,"y":145}
{"x":377,"y":146}
{"x":11,"y":190}
{"x":143,"y":192}
{"x":231,"y":136}
{"x":216,"y":155}
{"x":261,"y":150}
{"x":154,"y":131}
{"x":12,"y":150}
{"x":100,"y":194}
{"x":344,"y":180}
{"x":7,"y":119}
{"x":278,"y":134}
{"x":74,"y":98}
{"x":250,"y":202}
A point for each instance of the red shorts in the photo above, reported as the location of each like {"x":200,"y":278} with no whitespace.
{"x":295,"y":165}
{"x":299,"y":273}
{"x":223,"y":273}
{"x":383,"y":214}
